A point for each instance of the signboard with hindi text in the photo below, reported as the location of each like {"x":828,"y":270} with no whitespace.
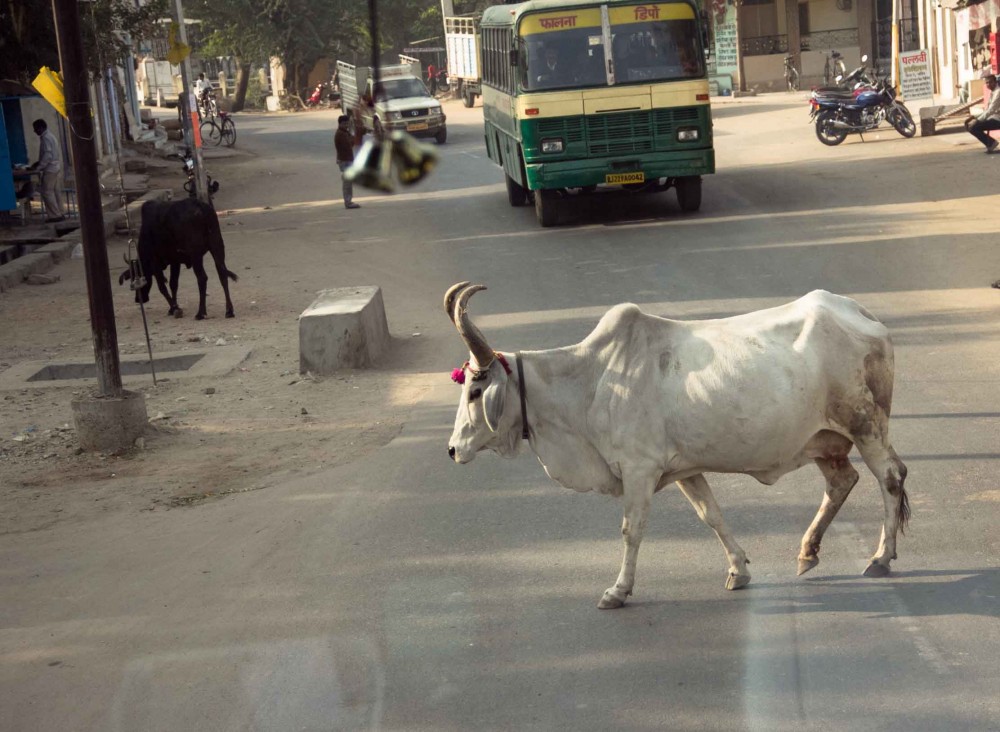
{"x":915,"y":80}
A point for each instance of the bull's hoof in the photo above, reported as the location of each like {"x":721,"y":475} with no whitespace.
{"x":736,"y":581}
{"x":807,"y":563}
{"x":876,"y":570}
{"x":611,"y":600}
{"x":200,"y":316}
{"x":178,"y":313}
{"x":230,"y":314}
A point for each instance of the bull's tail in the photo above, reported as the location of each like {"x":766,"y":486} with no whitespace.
{"x":903,"y":510}
{"x":232,"y":276}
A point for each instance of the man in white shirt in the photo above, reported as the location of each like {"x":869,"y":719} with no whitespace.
{"x":50,"y":166}
{"x":201,"y":86}
{"x":980,"y":127}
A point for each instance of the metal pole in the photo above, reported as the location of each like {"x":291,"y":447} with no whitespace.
{"x":740,"y":72}
{"x":895,"y":45}
{"x":88,"y":187}
{"x":376,"y":49}
{"x":190,"y":134}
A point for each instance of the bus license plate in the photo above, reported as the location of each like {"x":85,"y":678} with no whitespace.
{"x":416,"y":126}
{"x":620,"y":178}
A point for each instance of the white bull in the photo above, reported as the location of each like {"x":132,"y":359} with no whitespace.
{"x":644,"y":401}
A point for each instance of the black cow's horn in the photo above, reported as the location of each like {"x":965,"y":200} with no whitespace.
{"x":449,"y":299}
{"x":478,"y":346}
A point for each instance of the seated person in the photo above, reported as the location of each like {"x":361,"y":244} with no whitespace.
{"x":989,"y":120}
{"x":689,"y":61}
{"x":552,"y":71}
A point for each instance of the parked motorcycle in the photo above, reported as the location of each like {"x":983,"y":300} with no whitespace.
{"x":316,"y":98}
{"x":189,"y":184}
{"x":836,"y":117}
{"x":847,"y":86}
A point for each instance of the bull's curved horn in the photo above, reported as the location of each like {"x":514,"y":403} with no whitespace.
{"x":449,"y":299}
{"x":478,"y":346}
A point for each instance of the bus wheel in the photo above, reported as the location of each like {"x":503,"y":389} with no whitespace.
{"x":545,"y":207}
{"x":516,"y":193}
{"x":468,"y":98}
{"x":689,"y":193}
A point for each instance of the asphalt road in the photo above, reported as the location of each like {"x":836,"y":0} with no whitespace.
{"x":402,"y":592}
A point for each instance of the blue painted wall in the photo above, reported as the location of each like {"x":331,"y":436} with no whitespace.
{"x":17,"y":148}
{"x":7,"y":200}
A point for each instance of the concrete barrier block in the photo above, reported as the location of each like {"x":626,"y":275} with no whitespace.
{"x":344,"y":327}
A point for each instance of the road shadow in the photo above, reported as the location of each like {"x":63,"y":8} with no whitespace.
{"x":920,"y":593}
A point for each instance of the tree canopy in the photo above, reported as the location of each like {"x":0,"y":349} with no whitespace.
{"x":28,"y":35}
{"x":301,"y":32}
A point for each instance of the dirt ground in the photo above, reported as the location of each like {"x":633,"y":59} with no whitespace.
{"x":207,"y":437}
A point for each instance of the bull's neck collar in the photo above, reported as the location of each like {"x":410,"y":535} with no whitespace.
{"x":525,"y":435}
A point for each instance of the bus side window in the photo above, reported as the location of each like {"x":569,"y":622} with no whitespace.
{"x":508,"y":43}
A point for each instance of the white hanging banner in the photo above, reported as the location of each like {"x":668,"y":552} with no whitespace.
{"x":915,"y":79}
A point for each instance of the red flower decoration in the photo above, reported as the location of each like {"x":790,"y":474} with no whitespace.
{"x":458,"y":375}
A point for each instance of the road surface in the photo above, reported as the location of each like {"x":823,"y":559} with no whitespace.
{"x":402,"y":592}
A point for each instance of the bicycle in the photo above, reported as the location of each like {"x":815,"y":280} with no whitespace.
{"x":833,"y":67}
{"x":208,"y":108}
{"x":215,"y":133}
{"x":791,"y":74}
{"x":211,"y":133}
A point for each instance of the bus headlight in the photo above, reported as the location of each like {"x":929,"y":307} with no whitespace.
{"x":552,"y":146}
{"x":687,"y":134}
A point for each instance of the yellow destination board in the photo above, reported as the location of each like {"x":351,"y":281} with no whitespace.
{"x":560,"y":20}
{"x":619,"y":14}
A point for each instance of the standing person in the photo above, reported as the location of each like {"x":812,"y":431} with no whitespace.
{"x":50,"y":165}
{"x":344,"y":142}
{"x":979,"y":127}
{"x":432,"y":81}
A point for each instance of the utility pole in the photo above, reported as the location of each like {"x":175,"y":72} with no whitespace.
{"x":88,"y":186}
{"x":740,"y":72}
{"x":190,"y":104}
{"x":895,"y":45}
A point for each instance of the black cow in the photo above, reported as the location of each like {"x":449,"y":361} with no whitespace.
{"x":175,"y":233}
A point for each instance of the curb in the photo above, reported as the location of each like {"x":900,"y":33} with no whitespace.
{"x":15,"y":272}
{"x":46,"y":257}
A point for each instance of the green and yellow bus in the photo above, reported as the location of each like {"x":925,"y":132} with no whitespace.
{"x":579,"y":94}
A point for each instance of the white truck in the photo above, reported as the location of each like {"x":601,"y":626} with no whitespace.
{"x":401,"y":101}
{"x":461,"y":41}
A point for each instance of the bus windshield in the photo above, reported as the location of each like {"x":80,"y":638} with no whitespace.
{"x":649,"y":43}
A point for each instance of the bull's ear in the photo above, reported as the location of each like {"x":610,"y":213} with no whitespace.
{"x":493,"y":397}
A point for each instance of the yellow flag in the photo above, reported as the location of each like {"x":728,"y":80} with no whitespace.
{"x":49,"y":84}
{"x":178,"y":51}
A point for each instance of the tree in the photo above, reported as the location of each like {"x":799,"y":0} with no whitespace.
{"x":302,"y":32}
{"x":28,"y":37}
{"x":233,"y":28}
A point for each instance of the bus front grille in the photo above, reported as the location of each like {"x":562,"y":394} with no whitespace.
{"x":568,"y":128}
{"x":620,"y":133}
{"x":666,"y":121}
{"x":625,"y":132}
